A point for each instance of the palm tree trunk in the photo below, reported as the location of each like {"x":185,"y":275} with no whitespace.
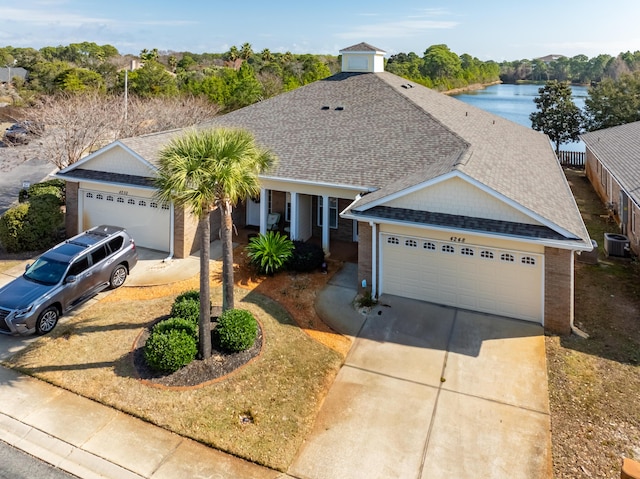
{"x":204,"y":325}
{"x":227,"y":256}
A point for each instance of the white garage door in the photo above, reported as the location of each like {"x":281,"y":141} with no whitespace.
{"x":503,"y":282}
{"x":146,"y":219}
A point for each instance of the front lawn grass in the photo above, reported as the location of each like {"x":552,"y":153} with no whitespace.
{"x":280,"y":391}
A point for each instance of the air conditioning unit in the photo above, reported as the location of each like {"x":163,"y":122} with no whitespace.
{"x":615,"y":244}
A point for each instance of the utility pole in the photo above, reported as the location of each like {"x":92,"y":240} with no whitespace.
{"x":126,"y":93}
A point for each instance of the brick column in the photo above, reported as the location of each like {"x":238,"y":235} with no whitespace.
{"x":71,"y":203}
{"x":364,"y":255}
{"x":558,"y":291}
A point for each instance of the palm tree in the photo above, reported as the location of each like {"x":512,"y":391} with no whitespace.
{"x":207,"y":169}
{"x":246,"y":51}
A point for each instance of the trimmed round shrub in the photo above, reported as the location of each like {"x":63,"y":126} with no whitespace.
{"x":186,"y":308}
{"x":190,"y":294}
{"x":32,"y":226}
{"x":170,"y":350}
{"x":236,"y":330}
{"x":306,"y":257}
{"x":179,"y":324}
{"x":270,"y":252}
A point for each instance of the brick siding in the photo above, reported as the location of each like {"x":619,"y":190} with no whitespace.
{"x":364,"y":256}
{"x":558,"y":291}
{"x":71,"y":215}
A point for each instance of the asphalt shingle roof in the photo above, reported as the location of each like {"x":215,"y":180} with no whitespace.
{"x":378,"y":131}
{"x":618,"y":149}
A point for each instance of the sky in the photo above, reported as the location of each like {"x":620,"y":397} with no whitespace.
{"x":489,"y":30}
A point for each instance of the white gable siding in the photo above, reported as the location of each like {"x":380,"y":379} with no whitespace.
{"x":118,"y":160}
{"x":457,"y":197}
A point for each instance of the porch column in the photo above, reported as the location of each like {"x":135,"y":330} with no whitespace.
{"x":325,"y":224}
{"x":295,"y":211}
{"x":374,"y":260}
{"x":264,"y":210}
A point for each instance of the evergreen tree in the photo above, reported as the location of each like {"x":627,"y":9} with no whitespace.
{"x":557,"y":116}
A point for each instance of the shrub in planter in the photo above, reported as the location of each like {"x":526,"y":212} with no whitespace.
{"x":236,"y":330}
{"x":170,"y":350}
{"x":269,"y":252}
{"x":180,"y":324}
{"x":31,"y":226}
{"x":190,"y":294}
{"x":186,"y":308}
{"x":306,"y":257}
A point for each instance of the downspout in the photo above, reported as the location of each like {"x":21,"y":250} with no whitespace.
{"x":374,"y":263}
{"x":171,"y":235}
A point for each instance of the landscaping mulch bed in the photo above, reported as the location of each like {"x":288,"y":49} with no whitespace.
{"x":199,"y":372}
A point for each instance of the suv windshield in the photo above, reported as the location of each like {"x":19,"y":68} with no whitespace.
{"x":46,"y":271}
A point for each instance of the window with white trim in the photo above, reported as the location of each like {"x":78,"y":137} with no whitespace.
{"x":98,"y":196}
{"x":429,"y":245}
{"x":466,"y":251}
{"x":153,"y":204}
{"x":142,"y":203}
{"x":333,"y":212}
{"x":165,"y":206}
{"x":393,"y":240}
{"x":89,"y":195}
{"x":120,"y":199}
{"x":411,"y":243}
{"x":486,"y":254}
{"x":109,"y":198}
{"x":131,"y":201}
{"x":447,"y":248}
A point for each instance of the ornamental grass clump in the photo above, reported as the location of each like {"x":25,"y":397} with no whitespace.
{"x":270,"y":252}
{"x":236,"y":330}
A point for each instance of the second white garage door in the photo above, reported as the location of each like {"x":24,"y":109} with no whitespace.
{"x":503,"y":282}
{"x":145,"y":219}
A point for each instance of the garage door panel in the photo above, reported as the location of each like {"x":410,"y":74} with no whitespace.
{"x":145,"y":219}
{"x":507,"y":283}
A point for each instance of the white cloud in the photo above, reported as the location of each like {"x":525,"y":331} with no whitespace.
{"x":48,"y":17}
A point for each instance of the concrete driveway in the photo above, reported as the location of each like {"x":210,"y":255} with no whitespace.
{"x":434,"y":392}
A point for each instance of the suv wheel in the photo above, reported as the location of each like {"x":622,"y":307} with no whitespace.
{"x":47,"y":320}
{"x":118,"y":276}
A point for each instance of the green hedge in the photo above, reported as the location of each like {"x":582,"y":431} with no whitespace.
{"x":306,"y":257}
{"x":32,"y":226}
{"x":50,"y":187}
{"x":186,"y":308}
{"x":180,"y":324}
{"x":170,"y":350}
{"x":236,"y":330}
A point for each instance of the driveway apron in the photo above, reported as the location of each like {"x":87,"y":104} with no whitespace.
{"x":429,"y":391}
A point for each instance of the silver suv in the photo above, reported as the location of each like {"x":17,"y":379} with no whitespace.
{"x":64,"y":277}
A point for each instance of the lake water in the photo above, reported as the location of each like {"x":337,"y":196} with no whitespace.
{"x":515,"y":103}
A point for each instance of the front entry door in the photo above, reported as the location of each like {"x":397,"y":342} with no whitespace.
{"x":253,"y":212}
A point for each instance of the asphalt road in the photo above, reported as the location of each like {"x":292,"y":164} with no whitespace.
{"x":19,"y":164}
{"x":15,"y":464}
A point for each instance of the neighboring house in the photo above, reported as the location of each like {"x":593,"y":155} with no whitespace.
{"x":7,"y":74}
{"x":613,"y":167}
{"x":448,"y":203}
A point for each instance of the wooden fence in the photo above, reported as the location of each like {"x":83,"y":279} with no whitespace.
{"x":572,"y":158}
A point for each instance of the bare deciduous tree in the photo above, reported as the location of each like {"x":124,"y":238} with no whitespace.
{"x":76,"y":125}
